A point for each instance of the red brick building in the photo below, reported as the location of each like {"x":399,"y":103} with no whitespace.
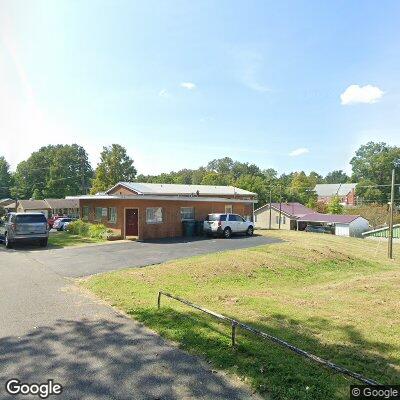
{"x":151,"y":211}
{"x":345,"y":191}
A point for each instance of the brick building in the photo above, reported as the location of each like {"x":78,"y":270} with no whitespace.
{"x":345,"y":191}
{"x":151,"y":211}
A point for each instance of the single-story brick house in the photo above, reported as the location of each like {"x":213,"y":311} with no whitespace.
{"x":287,"y":213}
{"x":345,"y":191}
{"x":30,"y":206}
{"x":47,"y":207}
{"x":152,"y":210}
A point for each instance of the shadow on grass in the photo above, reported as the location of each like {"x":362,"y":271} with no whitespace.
{"x":271,"y":369}
{"x":102,"y":359}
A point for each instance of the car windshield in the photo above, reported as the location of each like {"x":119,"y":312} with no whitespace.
{"x":31,"y":219}
{"x":216,"y":217}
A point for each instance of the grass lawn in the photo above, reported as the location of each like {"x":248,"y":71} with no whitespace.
{"x":335,"y":297}
{"x":65,"y":239}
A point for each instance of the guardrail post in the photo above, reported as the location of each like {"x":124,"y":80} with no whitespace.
{"x":159,"y":300}
{"x":233,"y":334}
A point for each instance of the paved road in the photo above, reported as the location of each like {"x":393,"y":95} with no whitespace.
{"x":89,"y":260}
{"x":48,"y":329}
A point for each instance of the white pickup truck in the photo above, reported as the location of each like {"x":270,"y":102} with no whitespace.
{"x":227,"y":224}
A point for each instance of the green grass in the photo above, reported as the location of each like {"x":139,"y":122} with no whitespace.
{"x":65,"y":239}
{"x":335,"y":297}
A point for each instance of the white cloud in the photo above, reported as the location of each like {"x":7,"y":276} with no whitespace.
{"x":249,"y":69}
{"x":163,"y":93}
{"x":299,"y":152}
{"x":188,"y":85}
{"x":361,"y":94}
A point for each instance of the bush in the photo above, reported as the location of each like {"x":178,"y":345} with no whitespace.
{"x":86,"y":229}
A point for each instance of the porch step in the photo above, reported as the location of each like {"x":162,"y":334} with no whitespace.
{"x":133,"y":238}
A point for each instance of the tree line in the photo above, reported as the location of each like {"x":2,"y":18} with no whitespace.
{"x":56,"y":171}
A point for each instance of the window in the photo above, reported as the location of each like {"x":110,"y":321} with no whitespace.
{"x":284,"y":220}
{"x":228,"y":209}
{"x":187,"y":213}
{"x":277,"y":219}
{"x":216,"y":217}
{"x":85,"y":212}
{"x":112,"y":214}
{"x":98,"y":213}
{"x":30,"y":218}
{"x":154,"y":215}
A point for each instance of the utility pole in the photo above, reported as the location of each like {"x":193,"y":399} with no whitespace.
{"x":280,"y":207}
{"x":82,"y":173}
{"x":390,"y":241}
{"x":270,"y":210}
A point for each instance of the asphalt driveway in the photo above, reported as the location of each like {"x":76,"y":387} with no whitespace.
{"x":49,"y":329}
{"x":82,"y":261}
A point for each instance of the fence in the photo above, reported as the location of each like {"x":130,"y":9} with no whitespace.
{"x":237,"y":324}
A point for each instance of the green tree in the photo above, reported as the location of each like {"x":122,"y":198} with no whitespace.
{"x":334,"y":206}
{"x":214,"y":178}
{"x":336,"y":176}
{"x":5,"y":178}
{"x":32,"y":174}
{"x":254,"y":184}
{"x":53,"y":171}
{"x":367,"y":192}
{"x":374,"y":162}
{"x":301,"y":189}
{"x":115,"y":166}
{"x":70,"y":172}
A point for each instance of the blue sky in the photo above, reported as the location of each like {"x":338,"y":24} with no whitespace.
{"x":182,"y":82}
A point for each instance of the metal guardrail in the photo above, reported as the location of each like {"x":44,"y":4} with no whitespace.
{"x":235,"y":324}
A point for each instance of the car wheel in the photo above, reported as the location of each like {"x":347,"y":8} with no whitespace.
{"x":43,"y":242}
{"x":250,"y":231}
{"x":227,"y":233}
{"x":7,"y":242}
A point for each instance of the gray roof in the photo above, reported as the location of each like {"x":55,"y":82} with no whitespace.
{"x":4,"y":202}
{"x":185,"y":190}
{"x":33,"y":204}
{"x":334,"y":189}
{"x":62,"y":203}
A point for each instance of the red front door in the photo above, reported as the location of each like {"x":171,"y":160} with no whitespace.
{"x":131,"y":222}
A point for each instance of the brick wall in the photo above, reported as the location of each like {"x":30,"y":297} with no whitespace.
{"x":171,"y":225}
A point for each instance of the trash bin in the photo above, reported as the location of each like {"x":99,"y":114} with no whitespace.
{"x":189,"y":228}
{"x":199,"y":228}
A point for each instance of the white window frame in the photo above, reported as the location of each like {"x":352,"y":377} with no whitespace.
{"x":185,"y":217}
{"x":154,"y":219}
{"x":112,"y":214}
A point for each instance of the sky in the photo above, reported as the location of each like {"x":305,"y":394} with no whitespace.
{"x":290,"y":85}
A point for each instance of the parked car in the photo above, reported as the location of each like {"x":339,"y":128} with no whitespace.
{"x":227,"y":224}
{"x":65,"y":225}
{"x":18,"y":227}
{"x":53,"y":219}
{"x":318,"y":229}
{"x":59,"y":223}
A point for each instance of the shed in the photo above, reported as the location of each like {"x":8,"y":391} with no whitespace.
{"x":343,"y":224}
